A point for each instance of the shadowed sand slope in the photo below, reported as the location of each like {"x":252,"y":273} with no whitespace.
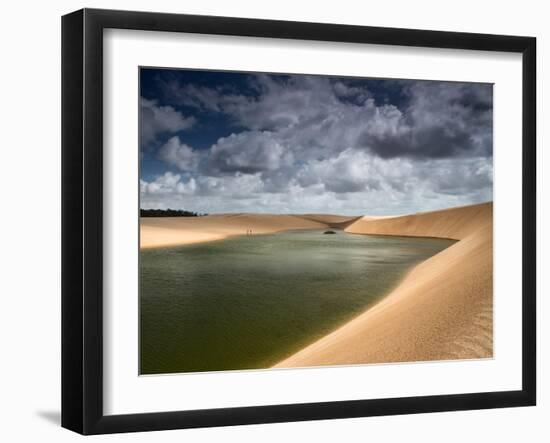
{"x":157,"y":232}
{"x":441,"y":310}
{"x":332,"y":221}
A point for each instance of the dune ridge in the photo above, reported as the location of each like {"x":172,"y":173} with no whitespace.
{"x":453,"y":223}
{"x":441,"y":310}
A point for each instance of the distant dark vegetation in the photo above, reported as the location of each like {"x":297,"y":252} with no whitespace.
{"x":168,"y":213}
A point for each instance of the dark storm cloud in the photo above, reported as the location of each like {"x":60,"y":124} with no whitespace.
{"x":441,"y":120}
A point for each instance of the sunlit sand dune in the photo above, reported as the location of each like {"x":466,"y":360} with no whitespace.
{"x":158,"y":232}
{"x":441,"y":310}
{"x":453,"y":223}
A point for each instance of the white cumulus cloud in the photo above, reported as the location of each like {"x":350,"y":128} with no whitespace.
{"x":178,"y":154}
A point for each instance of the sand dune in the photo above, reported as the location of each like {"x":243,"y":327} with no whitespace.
{"x":454,"y":223}
{"x":157,"y":232}
{"x":441,"y":310}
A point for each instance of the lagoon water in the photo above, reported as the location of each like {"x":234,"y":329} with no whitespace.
{"x":249,"y":302}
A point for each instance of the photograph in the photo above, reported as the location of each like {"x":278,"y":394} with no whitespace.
{"x":295,"y":220}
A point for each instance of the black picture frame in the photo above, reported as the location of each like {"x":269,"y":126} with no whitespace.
{"x":82,"y":218}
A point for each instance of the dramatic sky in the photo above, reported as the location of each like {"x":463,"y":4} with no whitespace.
{"x":239,"y":142}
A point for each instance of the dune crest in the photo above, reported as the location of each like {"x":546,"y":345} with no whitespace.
{"x":441,"y":310}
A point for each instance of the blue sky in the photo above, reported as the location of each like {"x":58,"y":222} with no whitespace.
{"x":215,"y":141}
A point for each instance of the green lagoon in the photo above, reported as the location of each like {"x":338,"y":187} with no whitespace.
{"x":249,"y":302}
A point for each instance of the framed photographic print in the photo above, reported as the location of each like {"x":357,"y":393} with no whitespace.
{"x":269,"y":221}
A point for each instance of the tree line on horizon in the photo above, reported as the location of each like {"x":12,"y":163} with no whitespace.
{"x":168,"y":213}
